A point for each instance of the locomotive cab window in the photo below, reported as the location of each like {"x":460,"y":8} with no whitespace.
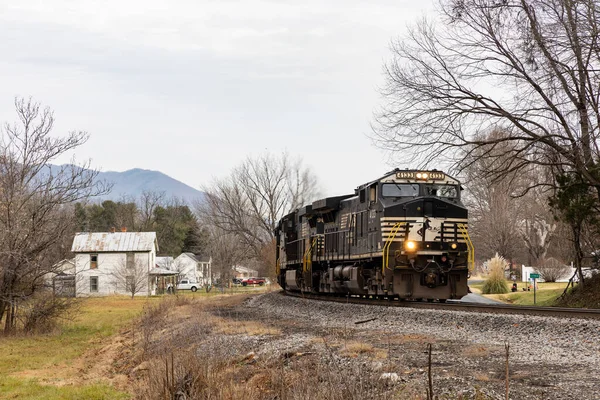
{"x":399,"y":190}
{"x":444,"y":191}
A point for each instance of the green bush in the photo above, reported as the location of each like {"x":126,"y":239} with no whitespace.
{"x":495,"y":283}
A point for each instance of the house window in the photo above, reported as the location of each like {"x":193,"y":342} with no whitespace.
{"x":130,"y":260}
{"x":129,"y":283}
{"x":93,"y":283}
{"x":93,"y":261}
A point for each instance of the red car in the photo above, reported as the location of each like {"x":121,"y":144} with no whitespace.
{"x":253,"y":281}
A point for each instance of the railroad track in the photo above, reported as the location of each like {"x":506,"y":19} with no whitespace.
{"x":457,"y":305}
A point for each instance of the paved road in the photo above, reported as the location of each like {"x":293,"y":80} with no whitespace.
{"x":475,"y":298}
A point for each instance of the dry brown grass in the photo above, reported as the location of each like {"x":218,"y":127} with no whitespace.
{"x":355,"y":349}
{"x":250,"y":328}
{"x":411,"y":338}
{"x":210,"y":350}
{"x":482,"y":377}
{"x":217,"y":364}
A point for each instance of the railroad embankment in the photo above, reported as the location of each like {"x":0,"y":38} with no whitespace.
{"x":587,"y":296}
{"x":273,"y":346}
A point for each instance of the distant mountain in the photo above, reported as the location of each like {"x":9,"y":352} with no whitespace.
{"x":131,"y":184}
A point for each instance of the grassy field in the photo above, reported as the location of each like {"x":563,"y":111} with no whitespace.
{"x":61,"y":365}
{"x":25,"y":356}
{"x":546,"y":293}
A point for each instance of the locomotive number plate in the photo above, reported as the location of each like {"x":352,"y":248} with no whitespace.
{"x":413,"y":175}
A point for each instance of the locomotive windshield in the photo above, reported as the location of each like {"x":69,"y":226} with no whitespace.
{"x":399,"y":190}
{"x":446,"y":191}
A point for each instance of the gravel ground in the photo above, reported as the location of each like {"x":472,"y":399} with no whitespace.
{"x":550,"y":358}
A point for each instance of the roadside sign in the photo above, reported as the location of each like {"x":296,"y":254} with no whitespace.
{"x":534,"y":277}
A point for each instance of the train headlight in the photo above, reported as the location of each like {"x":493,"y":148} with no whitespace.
{"x":453,"y":246}
{"x":419,"y":175}
{"x":410,"y":245}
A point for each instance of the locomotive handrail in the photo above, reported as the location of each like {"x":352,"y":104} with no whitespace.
{"x":471,"y":248}
{"x":388,"y":244}
{"x":307,"y":255}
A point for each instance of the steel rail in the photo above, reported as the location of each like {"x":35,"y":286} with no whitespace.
{"x":456,"y":305}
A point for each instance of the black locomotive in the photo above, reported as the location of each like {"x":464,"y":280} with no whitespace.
{"x":404,"y":235}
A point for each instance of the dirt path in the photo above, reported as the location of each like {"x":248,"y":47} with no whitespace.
{"x":110,"y":362}
{"x":95,"y":365}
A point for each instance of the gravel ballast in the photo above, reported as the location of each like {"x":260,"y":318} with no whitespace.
{"x":549,"y":357}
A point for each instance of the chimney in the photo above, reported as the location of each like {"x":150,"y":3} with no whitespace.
{"x":123,"y":229}
{"x":112,"y":230}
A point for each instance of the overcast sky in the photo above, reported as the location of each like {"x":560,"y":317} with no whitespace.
{"x":191,"y":87}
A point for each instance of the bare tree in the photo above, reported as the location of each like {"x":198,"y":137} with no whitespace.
{"x":531,"y":67}
{"x":35,"y":200}
{"x":248,"y":204}
{"x":147,"y":204}
{"x":495,"y":212}
{"x":130,"y":276}
{"x":537,"y":230}
{"x":226,"y":251}
{"x":537,"y":223}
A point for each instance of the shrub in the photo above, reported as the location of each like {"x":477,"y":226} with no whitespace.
{"x":495,"y":283}
{"x":42,"y":312}
{"x":551,"y":270}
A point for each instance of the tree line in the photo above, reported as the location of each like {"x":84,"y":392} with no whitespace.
{"x":177,"y":228}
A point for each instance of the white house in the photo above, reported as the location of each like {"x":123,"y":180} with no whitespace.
{"x":194,"y":267}
{"x":108,"y":262}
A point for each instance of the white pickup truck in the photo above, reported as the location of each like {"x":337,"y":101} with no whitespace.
{"x":186,"y":284}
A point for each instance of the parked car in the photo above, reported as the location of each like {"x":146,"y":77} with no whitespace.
{"x":186,"y":284}
{"x":237,"y":281}
{"x":254,"y":281}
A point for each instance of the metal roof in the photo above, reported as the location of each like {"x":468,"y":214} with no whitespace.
{"x":99,"y":242}
{"x":164,"y":262}
{"x":162,"y":272}
{"x":197,"y":257}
